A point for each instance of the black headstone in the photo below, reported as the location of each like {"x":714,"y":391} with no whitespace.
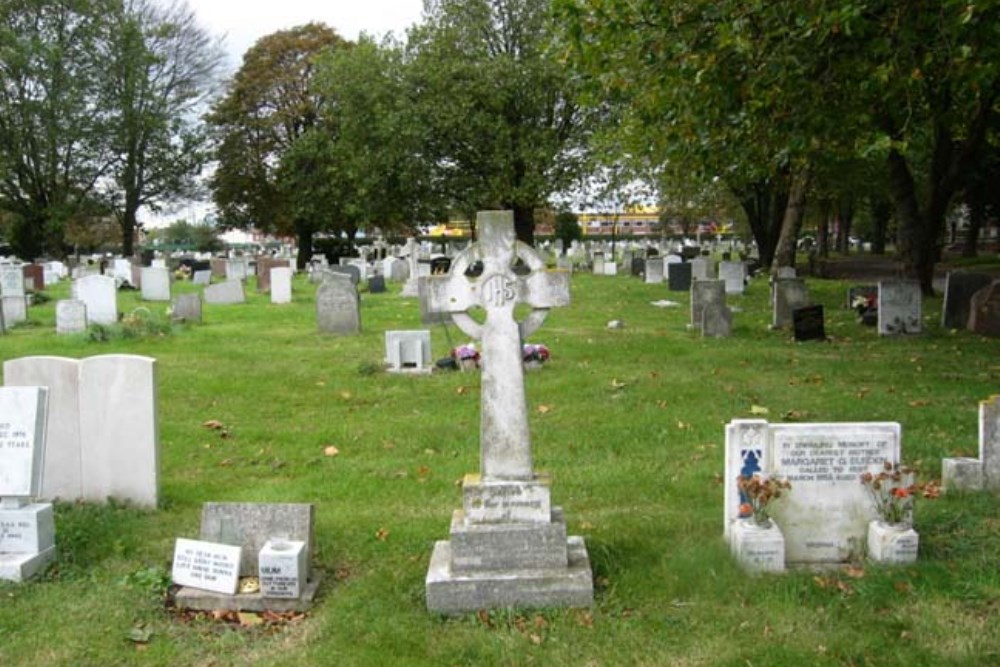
{"x":958,"y":290}
{"x":638,"y":266}
{"x":727,"y":257}
{"x":690,"y":252}
{"x":679,"y":277}
{"x":808,"y":323}
{"x":376,"y":284}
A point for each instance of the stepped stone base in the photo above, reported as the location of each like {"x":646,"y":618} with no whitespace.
{"x":21,"y":567}
{"x":508,"y":565}
{"x":200,"y":600}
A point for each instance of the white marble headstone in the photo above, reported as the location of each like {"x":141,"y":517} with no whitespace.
{"x":281,"y":284}
{"x":100,"y":296}
{"x":155,"y":283}
{"x":22,"y":440}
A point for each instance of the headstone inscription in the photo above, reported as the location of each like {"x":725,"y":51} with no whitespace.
{"x":252,"y":527}
{"x":983,"y":473}
{"x":959,"y":286}
{"x":899,"y":307}
{"x":206,"y":565}
{"x":408,"y":351}
{"x":508,"y":544}
{"x":27,"y":528}
{"x":102,"y":426}
{"x":71,"y":316}
{"x":338,"y":309}
{"x":984,"y":311}
{"x":825,"y":516}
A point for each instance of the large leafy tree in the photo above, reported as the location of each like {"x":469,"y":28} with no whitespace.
{"x":162,"y":67}
{"x":269,"y":106}
{"x":53,"y":147}
{"x":498,"y":111}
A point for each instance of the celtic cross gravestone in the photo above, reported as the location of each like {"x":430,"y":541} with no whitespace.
{"x":508,"y":544}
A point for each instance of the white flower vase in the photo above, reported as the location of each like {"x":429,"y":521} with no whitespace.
{"x":757,"y":547}
{"x":892,"y":543}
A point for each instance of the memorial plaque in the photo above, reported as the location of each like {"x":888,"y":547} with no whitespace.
{"x":206,"y":565}
{"x":22,"y":440}
{"x":808,"y":323}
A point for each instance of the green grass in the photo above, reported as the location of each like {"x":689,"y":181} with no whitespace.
{"x":633,"y":436}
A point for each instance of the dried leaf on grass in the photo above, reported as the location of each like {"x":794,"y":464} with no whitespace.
{"x":330,"y":450}
{"x":382,"y":534}
{"x":544,"y":409}
{"x":213,"y":424}
{"x":759,"y":410}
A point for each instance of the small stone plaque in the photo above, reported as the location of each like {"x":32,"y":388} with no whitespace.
{"x":29,"y":529}
{"x":22,"y":440}
{"x":71,"y":316}
{"x":207,"y":565}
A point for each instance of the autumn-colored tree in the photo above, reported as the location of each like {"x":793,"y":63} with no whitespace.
{"x":269,"y":106}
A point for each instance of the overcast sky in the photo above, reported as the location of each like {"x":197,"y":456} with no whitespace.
{"x":243,"y":22}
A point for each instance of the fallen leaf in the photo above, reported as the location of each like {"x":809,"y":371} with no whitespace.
{"x":461,"y":391}
{"x":903,"y":586}
{"x":346,"y":395}
{"x":249,"y":618}
{"x":219,"y":614}
{"x":535,"y":639}
{"x":794,"y":415}
{"x":225,"y":463}
{"x":586,"y":525}
{"x":330,"y":450}
{"x":139,"y":634}
{"x":423,"y":471}
{"x":544,"y":409}
{"x":585,"y":618}
{"x":382,"y":534}
{"x":661,"y":404}
{"x":759,"y":410}
{"x":616,"y":384}
{"x":213,"y":424}
{"x":320,"y":384}
{"x":919,"y":403}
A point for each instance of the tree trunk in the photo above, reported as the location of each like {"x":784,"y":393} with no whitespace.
{"x":127,"y":222}
{"x":881,"y":212}
{"x":977,"y":216}
{"x":764,"y":204}
{"x":791,"y":224}
{"x":823,"y":231}
{"x":524,"y":223}
{"x":304,"y":238}
{"x":915,"y":243}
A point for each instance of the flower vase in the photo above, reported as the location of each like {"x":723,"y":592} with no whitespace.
{"x":892,"y":543}
{"x":758,"y":547}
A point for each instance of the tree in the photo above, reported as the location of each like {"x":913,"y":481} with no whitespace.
{"x":567,"y":229}
{"x":269,"y":105}
{"x":501,"y":122}
{"x":53,"y":148}
{"x":200,"y":237}
{"x":161,"y":67}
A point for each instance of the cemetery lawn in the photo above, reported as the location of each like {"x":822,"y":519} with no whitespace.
{"x":629,"y":422}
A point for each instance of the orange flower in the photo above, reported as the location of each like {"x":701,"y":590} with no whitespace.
{"x":900,"y":492}
{"x":746,"y":509}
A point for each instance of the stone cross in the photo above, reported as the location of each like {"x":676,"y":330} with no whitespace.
{"x":505,"y":446}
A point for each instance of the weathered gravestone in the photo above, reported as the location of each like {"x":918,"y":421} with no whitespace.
{"x":704,"y":292}
{"x":264,"y":276}
{"x":155,"y":284}
{"x":968,"y":474}
{"x":411,"y":287}
{"x":13,"y":302}
{"x":899,"y":307}
{"x":102,"y":426}
{"x":27,"y":528}
{"x":186,"y":308}
{"x":237,"y":268}
{"x":716,"y":320}
{"x":959,"y":286}
{"x":638,"y":266}
{"x":250,"y":527}
{"x":787,"y":294}
{"x":984,"y":311}
{"x":280,"y":284}
{"x":808,"y":323}
{"x":654,"y":270}
{"x":408,"y":351}
{"x":349,"y":270}
{"x":825,"y":515}
{"x":226,"y":293}
{"x":100,"y":296}
{"x":508,"y":544}
{"x":202,"y":277}
{"x":700,"y":268}
{"x":218,"y":265}
{"x":734,"y":274}
{"x":679,"y":276}
{"x":71,"y":316}
{"x":338,"y":306}
{"x":376,"y":284}
{"x":14,"y":309}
